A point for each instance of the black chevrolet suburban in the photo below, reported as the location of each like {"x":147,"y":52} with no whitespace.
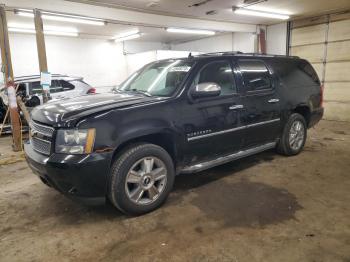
{"x":172,"y":116}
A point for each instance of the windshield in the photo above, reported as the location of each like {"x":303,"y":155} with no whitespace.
{"x":158,"y":79}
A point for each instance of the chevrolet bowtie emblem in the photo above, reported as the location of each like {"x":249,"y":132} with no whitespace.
{"x":33,"y":132}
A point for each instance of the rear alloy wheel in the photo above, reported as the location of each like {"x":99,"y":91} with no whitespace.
{"x":294,"y":136}
{"x":142,"y":177}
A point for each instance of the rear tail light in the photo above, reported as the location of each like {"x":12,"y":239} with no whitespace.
{"x":322,"y":91}
{"x":91,"y":91}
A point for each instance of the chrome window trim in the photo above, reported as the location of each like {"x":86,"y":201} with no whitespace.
{"x":233,"y":129}
{"x":264,"y":122}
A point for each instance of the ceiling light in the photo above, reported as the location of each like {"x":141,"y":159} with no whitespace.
{"x":32,"y":31}
{"x":129,"y":37}
{"x":58,"y":33}
{"x":46,"y":27}
{"x":244,"y":11}
{"x":190,"y":31}
{"x":22,"y":30}
{"x":128,"y":33}
{"x":267,"y":10}
{"x":63,"y":17}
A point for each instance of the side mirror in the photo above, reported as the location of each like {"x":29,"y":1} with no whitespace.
{"x":115,"y":88}
{"x":206,"y":90}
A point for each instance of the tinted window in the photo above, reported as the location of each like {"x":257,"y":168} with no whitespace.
{"x":35,"y":87}
{"x":66,"y":85}
{"x":219,"y":72}
{"x":255,"y":75}
{"x":55,"y":86}
{"x":308,"y":70}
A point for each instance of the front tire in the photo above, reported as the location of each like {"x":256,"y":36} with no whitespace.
{"x":294,"y":136}
{"x":141,"y":179}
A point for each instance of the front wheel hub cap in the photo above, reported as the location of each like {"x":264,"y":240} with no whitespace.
{"x":146,"y":180}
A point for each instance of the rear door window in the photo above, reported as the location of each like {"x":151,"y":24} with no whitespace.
{"x":256,"y":76}
{"x":55,"y":86}
{"x":220,"y":73}
{"x":35,"y":87}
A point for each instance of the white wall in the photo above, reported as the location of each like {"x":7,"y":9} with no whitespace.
{"x":103,"y":63}
{"x":244,"y":42}
{"x":100,"y":62}
{"x":208,"y":44}
{"x":133,"y":47}
{"x":136,"y":61}
{"x":276,"y":37}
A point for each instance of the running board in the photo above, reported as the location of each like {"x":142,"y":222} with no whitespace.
{"x":225,"y":159}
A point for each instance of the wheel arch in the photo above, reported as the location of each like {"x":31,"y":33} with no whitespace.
{"x":165,"y":139}
{"x":305,"y":111}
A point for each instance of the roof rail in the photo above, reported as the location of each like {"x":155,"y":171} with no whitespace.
{"x":37,"y":76}
{"x":222,"y":53}
{"x":245,"y":54}
{"x":267,"y":55}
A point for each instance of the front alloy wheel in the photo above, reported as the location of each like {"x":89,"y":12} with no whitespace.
{"x":142,"y":177}
{"x":146,"y":180}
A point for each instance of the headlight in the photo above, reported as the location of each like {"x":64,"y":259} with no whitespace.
{"x":75,"y":141}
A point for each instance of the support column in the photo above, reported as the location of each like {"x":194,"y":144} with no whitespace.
{"x":40,"y":43}
{"x":8,"y":72}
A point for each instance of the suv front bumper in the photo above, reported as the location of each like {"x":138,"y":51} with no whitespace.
{"x":79,"y":177}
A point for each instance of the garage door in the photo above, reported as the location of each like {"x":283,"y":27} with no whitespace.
{"x":325,"y":42}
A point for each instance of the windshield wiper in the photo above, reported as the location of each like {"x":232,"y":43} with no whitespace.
{"x":141,"y":92}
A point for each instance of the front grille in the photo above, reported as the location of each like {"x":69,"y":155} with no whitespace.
{"x":41,"y":137}
{"x":45,"y":130}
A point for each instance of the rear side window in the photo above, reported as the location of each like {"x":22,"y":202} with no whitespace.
{"x":308,"y":70}
{"x":255,"y":75}
{"x":66,"y":85}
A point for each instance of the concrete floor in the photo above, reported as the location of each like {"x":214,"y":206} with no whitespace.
{"x":263,"y":208}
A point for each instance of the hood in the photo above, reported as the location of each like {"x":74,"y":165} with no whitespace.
{"x":58,"y":113}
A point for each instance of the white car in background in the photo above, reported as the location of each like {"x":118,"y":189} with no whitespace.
{"x":62,"y":86}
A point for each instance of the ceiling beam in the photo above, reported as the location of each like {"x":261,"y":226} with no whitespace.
{"x":128,"y":16}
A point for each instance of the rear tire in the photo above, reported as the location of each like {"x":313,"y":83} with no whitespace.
{"x":293,"y":136}
{"x":142,"y":177}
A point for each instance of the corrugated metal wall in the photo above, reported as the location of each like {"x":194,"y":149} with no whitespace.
{"x":325,"y":42}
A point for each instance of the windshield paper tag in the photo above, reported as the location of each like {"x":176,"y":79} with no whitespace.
{"x":180,"y":69}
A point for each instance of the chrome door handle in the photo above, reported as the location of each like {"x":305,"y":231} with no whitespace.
{"x":234,"y":107}
{"x":273,"y":100}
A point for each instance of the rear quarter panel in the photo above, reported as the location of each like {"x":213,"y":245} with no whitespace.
{"x":294,"y":87}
